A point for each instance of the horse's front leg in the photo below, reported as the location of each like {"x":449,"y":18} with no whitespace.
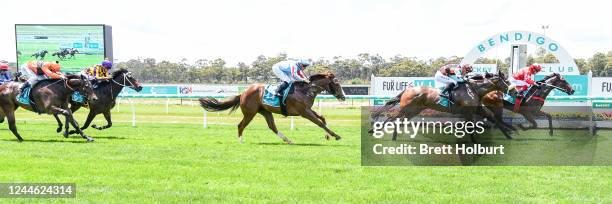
{"x":320,"y":117}
{"x":498,"y":122}
{"x":59,"y":123}
{"x":109,"y":121}
{"x":550,"y":126}
{"x":312,"y":116}
{"x":468,"y":115}
{"x":70,"y":118}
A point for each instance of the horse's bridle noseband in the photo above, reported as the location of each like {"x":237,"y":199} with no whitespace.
{"x":546,"y":83}
{"x":124,"y":80}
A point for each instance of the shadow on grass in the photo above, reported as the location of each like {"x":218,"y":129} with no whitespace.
{"x":46,"y":141}
{"x":300,"y":144}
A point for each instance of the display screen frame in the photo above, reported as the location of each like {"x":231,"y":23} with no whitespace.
{"x":104,"y":38}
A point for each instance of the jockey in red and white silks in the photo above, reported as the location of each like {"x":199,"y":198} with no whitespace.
{"x":522,"y":79}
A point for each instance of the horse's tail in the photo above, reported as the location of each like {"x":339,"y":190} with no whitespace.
{"x":211,"y":104}
{"x":388,"y":105}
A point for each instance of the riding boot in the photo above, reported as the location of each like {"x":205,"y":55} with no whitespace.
{"x":23,"y":88}
{"x":280,"y":89}
{"x":446,"y":92}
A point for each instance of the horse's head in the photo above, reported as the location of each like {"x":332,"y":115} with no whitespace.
{"x":81,"y":84}
{"x":126,"y":78}
{"x":328,"y":82}
{"x":558,"y":82}
{"x":493,"y":82}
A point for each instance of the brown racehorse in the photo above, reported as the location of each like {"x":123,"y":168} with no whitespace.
{"x":536,"y":97}
{"x":50,"y":96}
{"x":466,"y":100}
{"x":298,"y":104}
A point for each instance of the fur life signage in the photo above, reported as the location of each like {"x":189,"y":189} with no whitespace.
{"x":391,"y":86}
{"x":601,"y":86}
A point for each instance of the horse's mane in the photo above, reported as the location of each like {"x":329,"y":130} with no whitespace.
{"x":549,"y":76}
{"x":119,"y":72}
{"x":320,"y":76}
{"x":68,"y":76}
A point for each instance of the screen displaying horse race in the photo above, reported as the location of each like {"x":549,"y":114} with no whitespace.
{"x":75,"y":46}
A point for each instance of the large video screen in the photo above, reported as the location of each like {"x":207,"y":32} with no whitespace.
{"x":75,"y":46}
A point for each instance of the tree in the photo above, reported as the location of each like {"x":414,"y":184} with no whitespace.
{"x":598,"y":64}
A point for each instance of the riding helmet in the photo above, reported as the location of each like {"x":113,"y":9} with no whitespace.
{"x":107,"y":63}
{"x":537,"y":67}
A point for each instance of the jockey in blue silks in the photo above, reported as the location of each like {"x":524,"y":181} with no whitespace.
{"x":289,"y":71}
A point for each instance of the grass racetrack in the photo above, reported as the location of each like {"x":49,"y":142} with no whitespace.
{"x":172,"y":158}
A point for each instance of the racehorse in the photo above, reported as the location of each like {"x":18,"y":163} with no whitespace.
{"x":107,"y":93}
{"x":299,"y":103}
{"x":535,"y":98}
{"x":40,"y":54}
{"x":60,"y":54}
{"x":49,"y":95}
{"x":466,"y":97}
{"x":72,"y":52}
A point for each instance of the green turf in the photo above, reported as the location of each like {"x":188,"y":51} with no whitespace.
{"x":171,"y":158}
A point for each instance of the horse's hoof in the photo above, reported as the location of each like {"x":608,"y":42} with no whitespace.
{"x":289,"y":142}
{"x":89,"y":139}
{"x":66,"y":135}
{"x":58,"y":130}
{"x":338,"y":138}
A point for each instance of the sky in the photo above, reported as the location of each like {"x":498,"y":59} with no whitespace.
{"x":241,"y":30}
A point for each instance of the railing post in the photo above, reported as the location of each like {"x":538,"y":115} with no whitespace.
{"x":292,"y":123}
{"x":167,"y":104}
{"x":133,"y":113}
{"x":590,"y":103}
{"x":204,"y":120}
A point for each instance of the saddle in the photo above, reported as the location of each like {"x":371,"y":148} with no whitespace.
{"x":25,"y":98}
{"x":270,"y":99}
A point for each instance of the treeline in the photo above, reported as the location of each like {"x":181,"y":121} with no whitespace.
{"x":350,"y":70}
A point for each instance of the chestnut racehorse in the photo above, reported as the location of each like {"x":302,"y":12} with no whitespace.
{"x":466,"y":100}
{"x":299,"y":103}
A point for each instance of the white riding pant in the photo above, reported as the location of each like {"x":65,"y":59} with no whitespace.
{"x":33,"y":78}
{"x":516,"y":82}
{"x":280,"y":74}
{"x":443,"y":80}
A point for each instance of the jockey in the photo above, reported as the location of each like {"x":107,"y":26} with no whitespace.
{"x":521,"y":80}
{"x":39,"y":70}
{"x":99,"y":71}
{"x":5,"y":74}
{"x":290,"y":71}
{"x":449,"y":75}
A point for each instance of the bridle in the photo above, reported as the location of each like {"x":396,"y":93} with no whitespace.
{"x":547,"y":81}
{"x":124,"y":80}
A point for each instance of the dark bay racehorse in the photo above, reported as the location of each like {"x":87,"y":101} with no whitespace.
{"x":60,"y":54}
{"x":50,"y":96}
{"x":40,"y":54}
{"x":72,"y":52}
{"x":466,"y":100}
{"x":535,"y":100}
{"x":107,"y":93}
{"x":298,"y":104}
